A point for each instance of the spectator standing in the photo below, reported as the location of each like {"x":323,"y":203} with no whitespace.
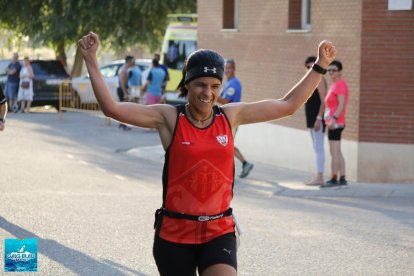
{"x":134,"y":81}
{"x":3,"y":110}
{"x":172,"y":54}
{"x":336,"y":101}
{"x":12,"y":83}
{"x":314,"y":111}
{"x":165,"y":68}
{"x":155,"y":81}
{"x":231,"y":93}
{"x":25,"y":95}
{"x":123,"y":85}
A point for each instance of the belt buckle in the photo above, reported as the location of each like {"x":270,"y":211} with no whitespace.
{"x":203,"y":218}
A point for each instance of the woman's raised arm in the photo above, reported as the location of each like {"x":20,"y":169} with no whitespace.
{"x":267,"y":110}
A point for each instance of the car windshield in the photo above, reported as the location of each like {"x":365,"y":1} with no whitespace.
{"x":110,"y":71}
{"x":178,"y":51}
{"x":48,"y":68}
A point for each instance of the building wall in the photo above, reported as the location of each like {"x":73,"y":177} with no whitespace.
{"x":270,"y":58}
{"x":269,"y":61}
{"x":387,"y":74}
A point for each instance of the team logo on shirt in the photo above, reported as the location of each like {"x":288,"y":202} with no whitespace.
{"x":222,"y":139}
{"x":230,"y":91}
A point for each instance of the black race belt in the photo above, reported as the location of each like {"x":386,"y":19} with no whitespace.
{"x":202,"y":218}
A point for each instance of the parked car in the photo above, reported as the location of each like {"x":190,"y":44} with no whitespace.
{"x":48,"y":74}
{"x":83,"y":87}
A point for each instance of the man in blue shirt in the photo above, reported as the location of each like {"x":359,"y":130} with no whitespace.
{"x":155,"y":81}
{"x":134,"y":82}
{"x":13,"y":79}
{"x":231,"y":93}
{"x":165,"y":68}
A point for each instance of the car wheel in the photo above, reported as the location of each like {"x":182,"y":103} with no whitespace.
{"x":56,"y":106}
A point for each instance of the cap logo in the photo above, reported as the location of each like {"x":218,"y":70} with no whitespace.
{"x":206,"y":69}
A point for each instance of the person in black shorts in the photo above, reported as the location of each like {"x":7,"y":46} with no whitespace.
{"x":122,"y":89}
{"x":195,"y":227}
{"x":183,"y":259}
{"x":336,"y":102}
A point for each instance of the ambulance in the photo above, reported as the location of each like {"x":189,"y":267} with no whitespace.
{"x":180,"y":40}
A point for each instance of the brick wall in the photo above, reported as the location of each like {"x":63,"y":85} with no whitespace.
{"x":387,"y":74}
{"x":270,"y":59}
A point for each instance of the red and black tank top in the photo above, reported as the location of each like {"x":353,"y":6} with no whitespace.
{"x":198,"y":179}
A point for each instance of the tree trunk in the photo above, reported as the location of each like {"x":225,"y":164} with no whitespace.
{"x":60,"y":52}
{"x":77,"y":65}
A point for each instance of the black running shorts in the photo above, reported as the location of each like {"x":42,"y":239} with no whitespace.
{"x":335,"y":134}
{"x":183,"y":259}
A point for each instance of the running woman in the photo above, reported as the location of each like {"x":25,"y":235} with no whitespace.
{"x":194,"y":226}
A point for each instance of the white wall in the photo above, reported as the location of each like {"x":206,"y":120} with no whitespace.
{"x":292,"y":148}
{"x":289,"y":148}
{"x":380,"y":162}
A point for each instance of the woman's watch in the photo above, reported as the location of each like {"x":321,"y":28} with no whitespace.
{"x":319,"y":69}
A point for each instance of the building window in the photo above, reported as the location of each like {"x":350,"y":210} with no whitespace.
{"x":230,"y":14}
{"x":299,"y":14}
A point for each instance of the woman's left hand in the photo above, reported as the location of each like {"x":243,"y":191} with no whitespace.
{"x":326,"y":54}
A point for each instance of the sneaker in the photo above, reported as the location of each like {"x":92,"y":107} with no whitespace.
{"x":330,"y":183}
{"x":314,"y":182}
{"x":247,"y":167}
{"x":342,"y":181}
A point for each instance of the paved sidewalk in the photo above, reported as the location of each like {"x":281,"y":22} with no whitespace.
{"x":273,"y":180}
{"x":270,"y":180}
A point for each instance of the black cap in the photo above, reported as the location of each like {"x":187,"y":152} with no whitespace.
{"x":204,"y":63}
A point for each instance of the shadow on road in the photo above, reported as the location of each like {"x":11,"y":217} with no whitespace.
{"x":76,"y":261}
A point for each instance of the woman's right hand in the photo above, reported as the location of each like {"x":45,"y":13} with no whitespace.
{"x":88,"y":45}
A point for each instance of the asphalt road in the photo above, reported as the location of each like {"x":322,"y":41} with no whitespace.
{"x":88,"y":191}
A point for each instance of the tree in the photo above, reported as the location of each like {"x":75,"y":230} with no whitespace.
{"x":60,"y":23}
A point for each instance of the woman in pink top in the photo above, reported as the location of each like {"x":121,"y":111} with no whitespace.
{"x":335,"y":110}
